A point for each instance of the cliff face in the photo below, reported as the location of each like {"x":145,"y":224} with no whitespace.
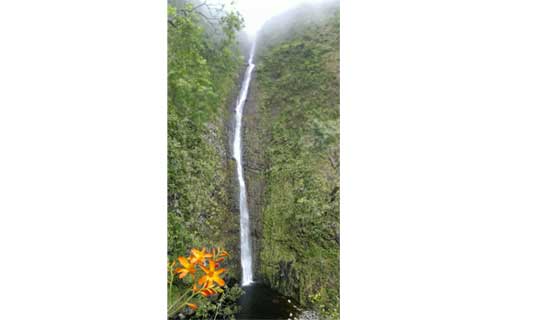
{"x":255,"y":140}
{"x":291,"y":138}
{"x":204,"y":64}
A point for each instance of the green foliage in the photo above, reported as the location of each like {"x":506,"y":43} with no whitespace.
{"x":210,"y":299}
{"x":202,"y":68}
{"x":298,"y":77}
{"x":203,"y":64}
{"x":223,"y":306}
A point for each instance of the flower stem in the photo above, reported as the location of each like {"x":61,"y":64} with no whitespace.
{"x":170,"y":284}
{"x":219,"y":305}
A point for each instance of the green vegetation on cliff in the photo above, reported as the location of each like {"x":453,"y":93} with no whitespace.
{"x":291,"y":147}
{"x":203,"y":65}
{"x":298,"y":94}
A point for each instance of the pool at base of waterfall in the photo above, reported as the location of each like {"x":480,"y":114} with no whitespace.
{"x":261,"y":302}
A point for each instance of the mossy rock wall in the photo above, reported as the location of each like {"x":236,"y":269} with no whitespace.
{"x":292,"y":156}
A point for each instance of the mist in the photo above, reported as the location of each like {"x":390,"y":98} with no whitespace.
{"x":256,"y":12}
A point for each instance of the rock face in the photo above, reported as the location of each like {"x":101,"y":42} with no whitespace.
{"x":291,"y":159}
{"x":254,"y":166}
{"x":233,"y":226}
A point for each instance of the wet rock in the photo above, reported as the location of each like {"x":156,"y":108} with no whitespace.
{"x":309,"y":315}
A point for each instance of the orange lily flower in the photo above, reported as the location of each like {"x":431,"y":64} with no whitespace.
{"x":192,"y":306}
{"x":188,"y":268}
{"x":208,"y":292}
{"x":198,"y":257}
{"x":208,"y":289}
{"x":212,"y":275}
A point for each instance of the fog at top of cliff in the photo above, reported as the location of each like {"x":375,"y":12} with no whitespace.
{"x":254,"y":12}
{"x":257,"y":12}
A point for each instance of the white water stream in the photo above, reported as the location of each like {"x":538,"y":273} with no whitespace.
{"x":245,"y":241}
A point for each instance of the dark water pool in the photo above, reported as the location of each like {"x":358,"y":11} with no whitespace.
{"x":261,"y":302}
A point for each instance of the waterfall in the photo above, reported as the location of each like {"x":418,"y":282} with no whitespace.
{"x":245,"y":241}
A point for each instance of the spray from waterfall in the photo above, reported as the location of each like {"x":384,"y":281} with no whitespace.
{"x":245,"y":241}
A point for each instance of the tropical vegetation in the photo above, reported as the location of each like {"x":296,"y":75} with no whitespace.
{"x":201,"y":286}
{"x":204,"y":61}
{"x":291,"y":137}
{"x":298,"y":96}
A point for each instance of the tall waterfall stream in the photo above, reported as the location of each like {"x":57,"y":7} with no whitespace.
{"x":245,"y":241}
{"x":259,"y":301}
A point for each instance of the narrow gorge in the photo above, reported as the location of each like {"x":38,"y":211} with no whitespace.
{"x":254,"y":163}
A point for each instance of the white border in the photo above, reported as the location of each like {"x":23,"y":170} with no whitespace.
{"x":439,"y":160}
{"x":83,"y":159}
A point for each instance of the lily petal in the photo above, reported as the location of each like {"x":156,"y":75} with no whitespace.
{"x":220,"y":271}
{"x":219,"y":281}
{"x":184,"y":262}
{"x":203,"y":279}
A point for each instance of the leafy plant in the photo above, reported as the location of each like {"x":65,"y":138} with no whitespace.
{"x":202,"y":278}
